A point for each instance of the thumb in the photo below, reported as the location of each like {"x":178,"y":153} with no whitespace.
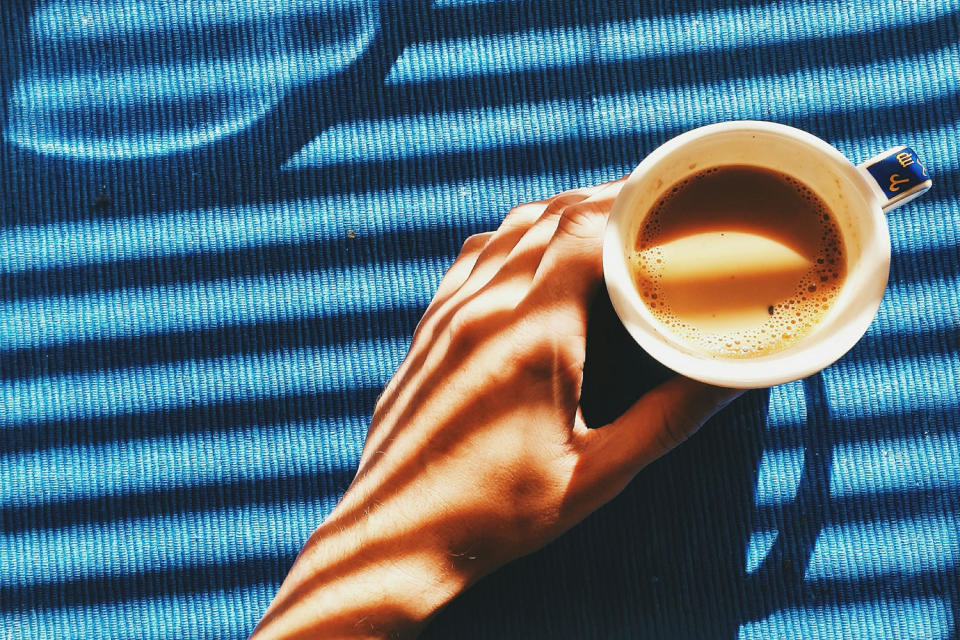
{"x":656,"y":423}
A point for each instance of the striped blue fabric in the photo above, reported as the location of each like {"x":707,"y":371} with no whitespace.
{"x":221,"y":222}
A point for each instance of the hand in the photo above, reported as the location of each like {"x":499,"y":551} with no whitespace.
{"x":477,"y":453}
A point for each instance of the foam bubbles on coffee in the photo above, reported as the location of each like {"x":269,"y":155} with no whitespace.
{"x":739,"y":261}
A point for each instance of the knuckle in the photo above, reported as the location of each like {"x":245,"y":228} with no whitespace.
{"x":560,"y":203}
{"x":580,"y":221}
{"x":475,"y":242}
{"x":523,"y":214}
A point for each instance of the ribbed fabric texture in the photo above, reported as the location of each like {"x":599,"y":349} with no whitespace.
{"x":221,"y":222}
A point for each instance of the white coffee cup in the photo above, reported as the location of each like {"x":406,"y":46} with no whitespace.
{"x":858,"y":196}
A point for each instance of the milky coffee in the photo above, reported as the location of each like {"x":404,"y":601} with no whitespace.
{"x":739,"y":261}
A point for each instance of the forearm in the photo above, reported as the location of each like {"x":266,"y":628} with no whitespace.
{"x":356,"y":578}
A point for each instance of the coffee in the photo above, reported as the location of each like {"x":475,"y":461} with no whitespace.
{"x":739,"y":261}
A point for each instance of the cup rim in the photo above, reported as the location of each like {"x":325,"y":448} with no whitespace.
{"x":762,"y":371}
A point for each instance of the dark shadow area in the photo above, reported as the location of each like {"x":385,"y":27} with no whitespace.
{"x":779,"y":580}
{"x":626,"y":571}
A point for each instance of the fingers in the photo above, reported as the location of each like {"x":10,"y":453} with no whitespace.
{"x":574,"y":255}
{"x":463,"y":265}
{"x":506,"y":237}
{"x":476,"y":246}
{"x":481,"y":257}
{"x":489,"y":261}
{"x":656,"y":423}
{"x":520,"y":265}
{"x":570,"y":268}
{"x":524,"y":259}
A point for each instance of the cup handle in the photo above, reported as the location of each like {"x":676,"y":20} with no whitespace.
{"x":898,"y":176}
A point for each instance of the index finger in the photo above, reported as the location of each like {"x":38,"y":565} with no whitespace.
{"x":572,"y":266}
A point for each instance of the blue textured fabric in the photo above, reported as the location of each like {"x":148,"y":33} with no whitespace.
{"x":222,"y":220}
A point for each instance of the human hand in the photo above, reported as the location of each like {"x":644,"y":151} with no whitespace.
{"x":477,"y":452}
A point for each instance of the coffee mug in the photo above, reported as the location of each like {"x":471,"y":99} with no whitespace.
{"x":858,"y":196}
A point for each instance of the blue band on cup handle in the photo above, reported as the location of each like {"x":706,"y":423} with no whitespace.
{"x":899,"y":174}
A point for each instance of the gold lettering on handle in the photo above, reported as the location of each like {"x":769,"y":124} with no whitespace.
{"x":896,"y":181}
{"x":904,"y":158}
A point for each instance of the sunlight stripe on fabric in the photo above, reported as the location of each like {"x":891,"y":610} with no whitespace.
{"x":86,"y":20}
{"x":886,"y":619}
{"x":210,"y":615}
{"x":878,"y":386}
{"x":758,"y":547}
{"x":778,"y":476}
{"x":923,"y":462}
{"x":906,"y":546}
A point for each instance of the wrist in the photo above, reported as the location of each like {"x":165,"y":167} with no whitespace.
{"x":359,"y":576}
